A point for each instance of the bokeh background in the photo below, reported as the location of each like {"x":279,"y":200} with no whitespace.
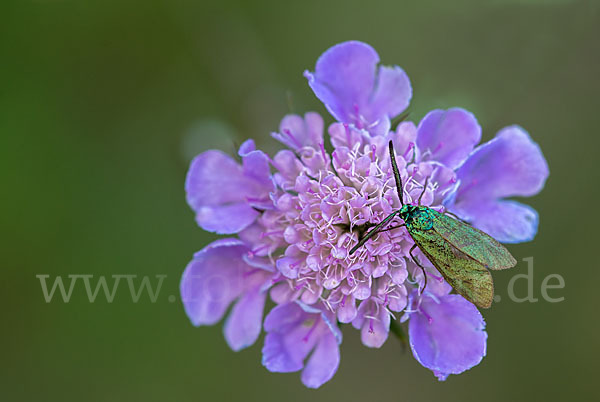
{"x":104,"y":103}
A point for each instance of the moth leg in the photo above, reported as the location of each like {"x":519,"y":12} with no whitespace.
{"x":420,"y":266}
{"x":424,"y":188}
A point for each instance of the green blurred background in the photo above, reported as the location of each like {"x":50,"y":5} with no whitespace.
{"x":104,"y":103}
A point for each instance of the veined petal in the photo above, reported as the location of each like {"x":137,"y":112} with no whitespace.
{"x":288,"y":339}
{"x":346,"y":310}
{"x":373,"y":322}
{"x":448,"y":136}
{"x":226,"y":219}
{"x":212,"y":280}
{"x":447,"y":335}
{"x":204,"y":182}
{"x":509,"y":165}
{"x":375,"y":331}
{"x":283,"y":316}
{"x":391,"y":97}
{"x":344,"y":78}
{"x":323,"y":363}
{"x":293,"y":331}
{"x":255,"y":165}
{"x":221,"y":205}
{"x":244,"y":323}
{"x":297,"y":132}
{"x":506,"y":221}
{"x":346,"y":81}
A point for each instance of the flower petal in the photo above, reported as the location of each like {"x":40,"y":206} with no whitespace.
{"x":346,"y":310}
{"x":220,"y":204}
{"x":244,"y":323}
{"x":283,"y":316}
{"x":447,"y":335}
{"x":288,"y":339}
{"x":506,"y":221}
{"x":323,"y":362}
{"x":404,"y":138}
{"x":255,"y":165}
{"x":509,"y":165}
{"x":374,"y":326}
{"x":344,"y":77}
{"x":449,"y":136}
{"x":212,"y":280}
{"x":375,"y":332}
{"x":297,"y":132}
{"x":278,"y":356}
{"x":345,"y":81}
{"x":392,"y":94}
{"x":227,"y":219}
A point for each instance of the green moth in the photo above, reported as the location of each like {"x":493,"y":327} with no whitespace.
{"x":462,"y":254}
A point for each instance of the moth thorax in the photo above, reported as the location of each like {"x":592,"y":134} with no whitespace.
{"x":419,"y":218}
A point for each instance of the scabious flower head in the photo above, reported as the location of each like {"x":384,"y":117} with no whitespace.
{"x":297,"y":214}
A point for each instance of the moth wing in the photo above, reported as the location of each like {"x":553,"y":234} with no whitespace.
{"x":473,"y":242}
{"x":466,"y":275}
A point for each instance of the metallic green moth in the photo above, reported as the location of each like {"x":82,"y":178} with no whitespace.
{"x":462,"y":254}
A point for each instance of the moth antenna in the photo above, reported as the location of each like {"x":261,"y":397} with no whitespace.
{"x":397,"y":177}
{"x":424,"y":188}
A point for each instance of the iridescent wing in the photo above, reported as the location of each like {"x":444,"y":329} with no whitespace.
{"x":473,"y":242}
{"x":467,"y":276}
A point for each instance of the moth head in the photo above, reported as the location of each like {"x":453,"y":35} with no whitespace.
{"x":405,"y":211}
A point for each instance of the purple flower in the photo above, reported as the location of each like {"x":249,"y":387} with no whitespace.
{"x":507,"y":166}
{"x":216,"y":277}
{"x":294,"y":330}
{"x":228,"y":206}
{"x":298,"y":214}
{"x":447,"y":333}
{"x":354,"y":90}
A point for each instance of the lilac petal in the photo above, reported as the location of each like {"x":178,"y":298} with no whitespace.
{"x":447,"y":335}
{"x":449,"y":136}
{"x":506,"y":221}
{"x":280,"y":354}
{"x":346,"y":311}
{"x":344,"y":77}
{"x":293,"y":331}
{"x":297,"y":132}
{"x":282,"y":317}
{"x":345,"y":135}
{"x":205,"y":185}
{"x":220,"y":204}
{"x":509,"y":165}
{"x":374,"y":326}
{"x":212,"y":280}
{"x":288,"y":339}
{"x":247,"y":147}
{"x":288,"y":266}
{"x":392,"y":94}
{"x":375,"y":332}
{"x":329,"y":319}
{"x":323,"y":362}
{"x":404,"y":139}
{"x":243,"y":324}
{"x":227,"y":219}
{"x":255,"y":165}
{"x":345,"y":81}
